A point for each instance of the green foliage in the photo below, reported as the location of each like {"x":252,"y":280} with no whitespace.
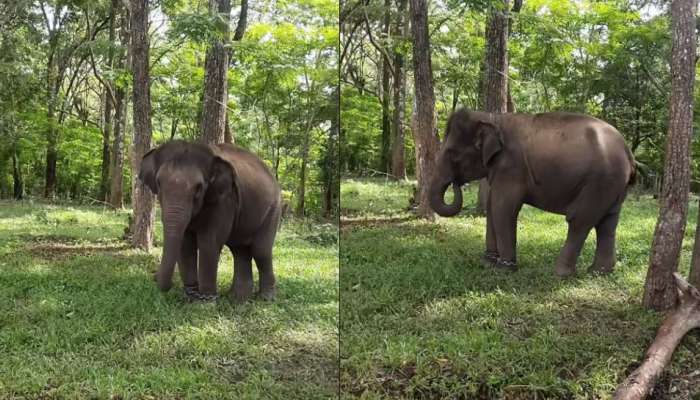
{"x":282,"y":77}
{"x":421,"y":315}
{"x":604,"y":58}
{"x":82,"y":317}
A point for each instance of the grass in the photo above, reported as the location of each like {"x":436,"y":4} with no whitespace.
{"x":421,"y":318}
{"x":81,"y":317}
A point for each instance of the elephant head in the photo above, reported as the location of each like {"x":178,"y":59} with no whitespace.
{"x":186,"y":178}
{"x":470,"y":146}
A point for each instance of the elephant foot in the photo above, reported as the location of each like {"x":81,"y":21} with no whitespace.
{"x":601,"y":268}
{"x":193,"y":294}
{"x":191,"y":291}
{"x":241,"y":294}
{"x":564,"y":271}
{"x":267,"y":293}
{"x":506,"y":265}
{"x":489,"y":259}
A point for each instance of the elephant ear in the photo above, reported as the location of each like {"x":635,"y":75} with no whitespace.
{"x":148,"y":170}
{"x":222,"y":177}
{"x":489,"y":140}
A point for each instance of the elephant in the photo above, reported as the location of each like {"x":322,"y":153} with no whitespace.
{"x":565,"y":163}
{"x":211,"y":196}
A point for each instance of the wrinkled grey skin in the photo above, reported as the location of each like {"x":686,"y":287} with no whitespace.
{"x":211,"y":196}
{"x":565,"y":163}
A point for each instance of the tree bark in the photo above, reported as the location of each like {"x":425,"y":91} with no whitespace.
{"x":117,"y":167}
{"x":331,"y":188}
{"x":215,"y":78}
{"x":17,"y":181}
{"x":52,"y":133}
{"x":495,"y":83}
{"x":301,"y":190}
{"x":398,"y":146}
{"x":107,"y":117}
{"x":685,"y":317}
{"x":144,"y":215}
{"x":228,"y":137}
{"x":424,"y":128}
{"x":106,"y":161}
{"x":659,"y":289}
{"x":117,"y":164}
{"x":386,"y":95}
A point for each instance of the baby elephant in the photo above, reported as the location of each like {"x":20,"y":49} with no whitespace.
{"x":210,"y":196}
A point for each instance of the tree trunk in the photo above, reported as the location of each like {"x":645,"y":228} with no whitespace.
{"x":52,"y":133}
{"x":107,"y":118}
{"x":398,"y":146}
{"x":117,"y":164}
{"x":424,"y":129}
{"x":495,"y":83}
{"x":301,"y":190}
{"x":144,"y":215}
{"x":228,"y":137}
{"x":106,"y":161}
{"x":215,"y":78}
{"x":331,"y":187}
{"x":386,"y":96}
{"x":659,"y":289}
{"x":17,"y":182}
{"x":117,"y":167}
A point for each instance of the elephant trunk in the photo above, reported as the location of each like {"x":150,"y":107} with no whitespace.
{"x":437,"y":199}
{"x":175,"y":217}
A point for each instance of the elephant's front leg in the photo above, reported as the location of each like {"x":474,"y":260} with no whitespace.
{"x":209,"y":253}
{"x":187,"y":265}
{"x":490,"y":256}
{"x":242,"y":287}
{"x":505,"y":208}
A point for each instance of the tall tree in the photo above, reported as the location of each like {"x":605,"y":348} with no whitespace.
{"x":116,"y":197}
{"x":54,"y":19}
{"x":659,"y":289}
{"x":384,"y":158}
{"x":398,"y":164}
{"x":495,"y":82}
{"x":107,"y":109}
{"x":215,"y":76}
{"x":144,"y":215}
{"x":424,"y":117}
{"x":329,"y":162}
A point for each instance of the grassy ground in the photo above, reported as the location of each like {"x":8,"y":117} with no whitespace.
{"x":421,"y":318}
{"x":81,"y":317}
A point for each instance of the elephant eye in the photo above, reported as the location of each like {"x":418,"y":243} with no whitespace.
{"x":198,"y":190}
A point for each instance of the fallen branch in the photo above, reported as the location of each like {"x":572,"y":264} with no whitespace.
{"x":685,"y":317}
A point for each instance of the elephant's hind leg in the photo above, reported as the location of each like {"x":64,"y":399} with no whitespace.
{"x":268,"y":287}
{"x":242,"y":287}
{"x":583,"y":214}
{"x":262,"y":253}
{"x":604,"y":260}
{"x":566,"y":262}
